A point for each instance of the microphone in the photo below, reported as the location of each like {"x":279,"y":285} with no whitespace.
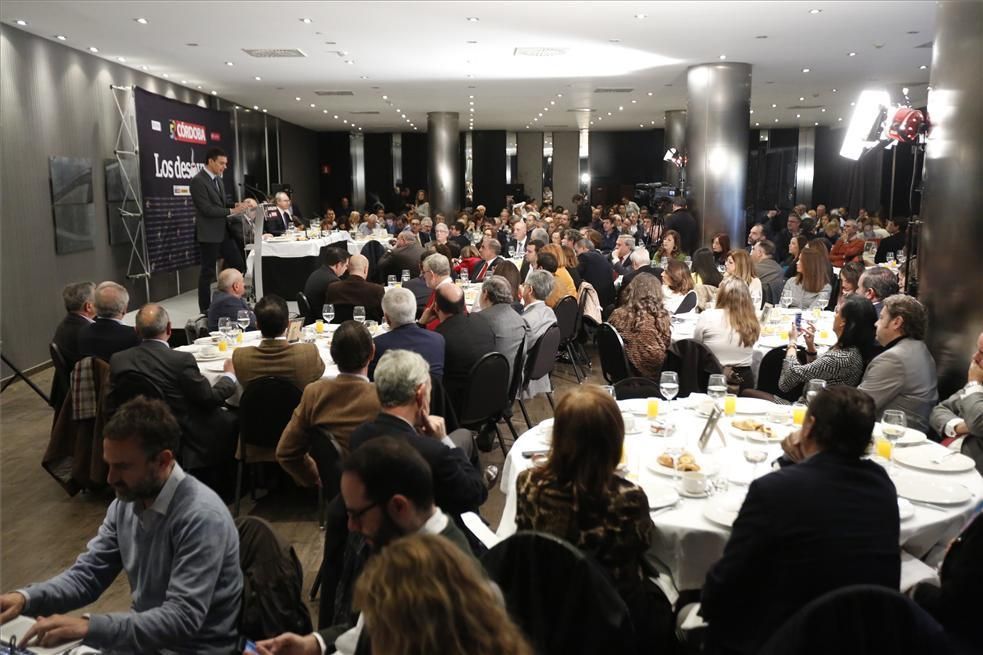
{"x":247,"y":187}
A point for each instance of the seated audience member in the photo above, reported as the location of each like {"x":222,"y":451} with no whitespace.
{"x":809,"y":281}
{"x":677,"y":285}
{"x":539,"y":317}
{"x":405,"y":256}
{"x":208,"y":433}
{"x":795,"y":247}
{"x":107,"y":334}
{"x":670,"y":248}
{"x":459,"y":234}
{"x":183,"y":568}
{"x":285,"y":217}
{"x":570,"y":262}
{"x":510,"y":331}
{"x":533,"y":246}
{"x":643,"y":322}
{"x":640,"y":265}
{"x":609,"y":234}
{"x":368,"y":227}
{"x":877,"y":284}
{"x":398,"y":309}
{"x":720,"y":246}
{"x":850,"y":280}
{"x":470,"y":262}
{"x":436,"y":273}
{"x":489,"y":252}
{"x":418,"y":286}
{"x":850,"y":247}
{"x":755,"y":235}
{"x":388,"y":491}
{"x":831,"y":233}
{"x":334,"y":263}
{"x":897,"y":228}
{"x":402,"y":382}
{"x":298,"y":363}
{"x":467,"y":338}
{"x":595,"y":269}
{"x":228,"y":300}
{"x":337,"y":405}
{"x":562,"y":282}
{"x":80,"y":312}
{"x":827,"y":522}
{"x":903,"y":376}
{"x":731,"y":329}
{"x":767,"y":269}
{"x":356,"y":290}
{"x":705,"y":272}
{"x":622,"y":254}
{"x":961,"y":415}
{"x":739,"y":265}
{"x":508,"y":271}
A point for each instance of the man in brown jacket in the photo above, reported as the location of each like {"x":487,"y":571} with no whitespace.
{"x":337,"y":406}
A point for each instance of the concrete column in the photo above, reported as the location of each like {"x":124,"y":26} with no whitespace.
{"x":566,"y":168}
{"x":718,"y":101}
{"x":530,"y":153}
{"x":357,"y":150}
{"x":444,"y":162}
{"x":948,"y":257}
{"x":675,"y":138}
{"x":805,"y":165}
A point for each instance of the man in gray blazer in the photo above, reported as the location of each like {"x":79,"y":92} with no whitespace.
{"x":767,"y":269}
{"x":211,"y":223}
{"x":509,"y":328}
{"x":539,"y":317}
{"x":904,"y":375}
{"x":961,"y":415}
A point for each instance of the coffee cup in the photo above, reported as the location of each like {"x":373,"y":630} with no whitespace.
{"x":694,"y":482}
{"x":209,"y":351}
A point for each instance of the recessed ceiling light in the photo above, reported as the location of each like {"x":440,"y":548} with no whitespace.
{"x":546,"y":108}
{"x":592,"y":122}
{"x":851,"y":54}
{"x":776,"y":120}
{"x":122,"y":60}
{"x":801,"y":98}
{"x":184,"y":81}
{"x":313,"y":105}
{"x":834,"y":90}
{"x":815,"y":123}
{"x":650,"y":93}
{"x":142,"y":21}
{"x":806,"y":70}
{"x":297,"y":98}
{"x":398,"y":112}
{"x":258,"y":78}
{"x":349,"y":61}
{"x":634,"y":102}
{"x":214,"y":93}
{"x":22,"y":23}
{"x":815,"y":11}
{"x":722,"y":57}
{"x":752,"y":111}
{"x":559,"y":95}
{"x":229,"y":63}
{"x":306,"y":21}
{"x":541,"y":114}
{"x":553,"y":102}
{"x":471,"y":102}
{"x":798,"y":115}
{"x":336,"y":116}
{"x":757,"y":124}
{"x":823,"y":110}
{"x":345,"y":121}
{"x":621,"y":108}
{"x":840,"y":119}
{"x":93,"y":49}
{"x":609,"y":113}
{"x":640,"y":125}
{"x":473,"y":19}
{"x":164,"y":75}
{"x":256,"y":107}
{"x":922,"y":67}
{"x":363,"y":77}
{"x":61,"y":37}
{"x":853,"y":104}
{"x":144,"y":67}
{"x":652,"y":122}
{"x":773,"y":105}
{"x":535,"y":119}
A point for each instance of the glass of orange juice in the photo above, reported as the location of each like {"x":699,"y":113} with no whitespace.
{"x":798,"y":414}
{"x":730,"y":404}
{"x":223,"y":345}
{"x":884,"y":448}
{"x":653,"y":408}
{"x":239,"y":337}
{"x":319,"y":326}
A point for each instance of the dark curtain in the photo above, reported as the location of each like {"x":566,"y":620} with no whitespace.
{"x":415,"y":161}
{"x":378,"y":169}
{"x":488,"y":167}
{"x":619,"y":160}
{"x":334,"y":154}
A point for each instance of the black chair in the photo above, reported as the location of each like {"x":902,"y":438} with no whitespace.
{"x":327,"y":455}
{"x":694,"y":362}
{"x":540,"y":362}
{"x":62,"y":379}
{"x":771,"y":370}
{"x":611,"y":348}
{"x":859,"y":620}
{"x":304,"y":307}
{"x":130,"y":384}
{"x":767,"y":295}
{"x":563,"y":602}
{"x":487,"y":400}
{"x":196,"y":329}
{"x":265,"y":408}
{"x":688,"y":304}
{"x":566,"y":319}
{"x":636,"y":387}
{"x":834,"y":293}
{"x":584,"y":331}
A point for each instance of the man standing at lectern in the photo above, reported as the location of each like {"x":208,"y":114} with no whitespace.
{"x":211,"y":223}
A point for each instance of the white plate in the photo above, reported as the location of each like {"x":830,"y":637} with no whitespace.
{"x":213,"y":366}
{"x":925,"y":490}
{"x":658,"y":493}
{"x":636,"y":406}
{"x":204,"y":358}
{"x":905,"y":509}
{"x":723,"y":510}
{"x":753,"y":406}
{"x":761,"y":437}
{"x":920,"y":457}
{"x":773,"y":341}
{"x":205,"y":341}
{"x":708,"y":466}
{"x":911,"y":436}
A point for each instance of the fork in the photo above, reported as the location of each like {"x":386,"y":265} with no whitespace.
{"x":942,"y":458}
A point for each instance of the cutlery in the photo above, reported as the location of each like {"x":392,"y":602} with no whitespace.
{"x":942,"y":458}
{"x":664,"y":509}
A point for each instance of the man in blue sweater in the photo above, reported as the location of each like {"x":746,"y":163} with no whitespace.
{"x":173,"y":536}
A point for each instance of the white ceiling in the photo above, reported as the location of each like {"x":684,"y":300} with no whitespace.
{"x":418,"y":55}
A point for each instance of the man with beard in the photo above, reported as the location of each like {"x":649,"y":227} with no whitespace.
{"x":387,"y":490}
{"x":173,"y":536}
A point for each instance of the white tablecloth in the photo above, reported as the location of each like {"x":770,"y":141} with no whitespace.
{"x":685,"y":542}
{"x":311,"y":247}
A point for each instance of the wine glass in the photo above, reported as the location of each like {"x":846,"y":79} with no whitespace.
{"x":754,"y":455}
{"x":890,"y":256}
{"x":717,"y":387}
{"x":406,"y":276}
{"x":787,"y":299}
{"x":609,"y":390}
{"x":242,"y":318}
{"x":673,"y":445}
{"x":823,"y":300}
{"x":511,"y":252}
{"x":463,"y":276}
{"x":669,"y":387}
{"x":359,"y":313}
{"x":893,"y":424}
{"x":391,"y":281}
{"x":812,"y":389}
{"x":756,"y":299}
{"x":327,"y":313}
{"x":225,"y":326}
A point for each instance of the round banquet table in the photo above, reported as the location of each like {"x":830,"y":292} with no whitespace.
{"x":686,"y":543}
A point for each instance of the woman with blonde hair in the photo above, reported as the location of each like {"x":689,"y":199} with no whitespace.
{"x":810,"y":279}
{"x":552,"y":259}
{"x":731,"y":328}
{"x":421,"y":594}
{"x":643,"y":322}
{"x":739,"y":265}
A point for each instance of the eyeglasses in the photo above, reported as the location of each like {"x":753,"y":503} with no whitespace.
{"x":356,"y":514}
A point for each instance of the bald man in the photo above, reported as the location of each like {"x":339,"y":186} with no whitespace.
{"x":467,"y":337}
{"x":228,"y":300}
{"x":355,"y":290}
{"x":107,"y":334}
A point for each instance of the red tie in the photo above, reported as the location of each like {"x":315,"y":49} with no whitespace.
{"x":481,"y":273}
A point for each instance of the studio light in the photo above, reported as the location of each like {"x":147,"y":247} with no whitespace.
{"x":866,"y":123}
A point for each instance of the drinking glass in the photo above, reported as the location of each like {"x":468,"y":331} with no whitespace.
{"x":730,"y":404}
{"x":225,"y":326}
{"x":890,"y":256}
{"x":717,"y":387}
{"x":242,"y":318}
{"x":463,"y":276}
{"x":689,"y":262}
{"x":787,"y":299}
{"x":674,"y":448}
{"x":609,"y":390}
{"x":754,"y":455}
{"x":406,"y":276}
{"x":893,"y":424}
{"x":669,"y":387}
{"x":359,"y":313}
{"x":813,"y":387}
{"x":901,"y":258}
{"x":756,"y":300}
{"x":823,"y":299}
{"x":652,"y":408}
{"x":511,"y":252}
{"x":327,"y":312}
{"x":798,"y":414}
{"x":391,"y":281}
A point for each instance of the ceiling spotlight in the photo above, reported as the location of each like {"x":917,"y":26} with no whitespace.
{"x":229,"y":63}
{"x":823,"y":110}
{"x":801,"y":98}
{"x":806,"y":70}
{"x":776,"y":120}
{"x":398,"y":111}
{"x":853,"y":104}
{"x":652,"y":122}
{"x":650,"y":93}
{"x":815,"y":123}
{"x":535,"y":119}
{"x":471,"y":102}
{"x":214,"y":93}
{"x":752,"y":111}
{"x":621,"y":108}
{"x":93,"y":49}
{"x":834,"y":90}
{"x":142,"y":21}
{"x":198,"y":87}
{"x":839,"y":120}
{"x":306,"y":21}
{"x":258,"y":78}
{"x":815,"y":11}
{"x":798,"y":115}
{"x":773,"y":105}
{"x":61,"y":37}
{"x":122,"y":60}
{"x":592,"y":122}
{"x":385,"y":97}
{"x":641,"y":125}
{"x":349,"y":61}
{"x":256,"y":107}
{"x":184,"y":81}
{"x":553,"y":102}
{"x":559,"y":95}
{"x":473,"y":19}
{"x":640,"y":16}
{"x":634,"y":102}
{"x":540,"y":114}
{"x":336,"y":116}
{"x":757,"y":124}
{"x":546,"y":108}
{"x":851,"y":54}
{"x":313,"y":105}
{"x":345,"y":121}
{"x":144,"y":67}
{"x":22,"y":23}
{"x":164,"y":75}
{"x":922,"y":67}
{"x":722,"y":57}
{"x":297,"y":98}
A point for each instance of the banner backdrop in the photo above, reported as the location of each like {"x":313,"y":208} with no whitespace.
{"x":174,"y":137}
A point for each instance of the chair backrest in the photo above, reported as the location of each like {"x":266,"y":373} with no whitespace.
{"x":58,"y":359}
{"x":566,"y":318}
{"x":327,"y":457}
{"x":440,"y":403}
{"x":768,"y":295}
{"x":518,"y":370}
{"x":611,"y":349}
{"x":834,"y":293}
{"x":487,"y":394}
{"x":688,"y":304}
{"x":853,"y":619}
{"x":303,"y":307}
{"x":771,"y":370}
{"x":542,"y":356}
{"x":579,"y":324}
{"x":343,"y":312}
{"x":190,"y":331}
{"x":201,"y":325}
{"x":562,"y":601}
{"x":636,"y":387}
{"x":130,"y":384}
{"x":265,"y":408}
{"x":695,"y":363}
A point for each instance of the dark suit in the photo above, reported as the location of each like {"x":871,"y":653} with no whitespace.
{"x":467,"y":337}
{"x":461,"y":240}
{"x":426,"y":343}
{"x":807,"y":529}
{"x":623,"y":266}
{"x":207,"y":432}
{"x":226,"y":305}
{"x":684,"y":223}
{"x":421,"y":291}
{"x":457,"y":486}
{"x":484,"y":269}
{"x":105,"y":337}
{"x":211,"y":226}
{"x":67,"y":339}
{"x":315,"y":289}
{"x":596,"y":269}
{"x":277,"y":226}
{"x":400,"y":259}
{"x":352,"y":291}
{"x":425,"y":237}
{"x":894,"y":243}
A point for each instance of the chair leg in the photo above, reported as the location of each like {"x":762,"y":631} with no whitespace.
{"x":320,"y":508}
{"x":501,"y":442}
{"x":549,"y":397}
{"x":239,"y":468}
{"x":316,"y":587}
{"x":573,"y":362}
{"x":525,"y":414}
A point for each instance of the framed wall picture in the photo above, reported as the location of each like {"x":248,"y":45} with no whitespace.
{"x":72,"y":203}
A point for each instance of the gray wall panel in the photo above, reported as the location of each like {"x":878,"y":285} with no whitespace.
{"x":299,"y":166}
{"x":529,"y":147}
{"x":566,"y":168}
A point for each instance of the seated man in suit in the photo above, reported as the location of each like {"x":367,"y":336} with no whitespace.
{"x":876,"y":284}
{"x":337,"y":405}
{"x":529,"y":259}
{"x":467,"y":337}
{"x":961,"y":415}
{"x":436,"y":273}
{"x":298,"y":363}
{"x":539,"y":317}
{"x":399,"y":310}
{"x":228,"y":300}
{"x":418,"y":286}
{"x":622,"y":254}
{"x":402,"y":381}
{"x":405,"y":256}
{"x":596,"y":269}
{"x":285,"y":217}
{"x":107,"y":334}
{"x":903,"y":376}
{"x":517,"y":244}
{"x":767,"y":269}
{"x":208,"y":431}
{"x":827,"y":522}
{"x":356,"y":290}
{"x":334,"y":263}
{"x":510,"y":331}
{"x":641,"y":264}
{"x":80,"y":312}
{"x":489,"y":251}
